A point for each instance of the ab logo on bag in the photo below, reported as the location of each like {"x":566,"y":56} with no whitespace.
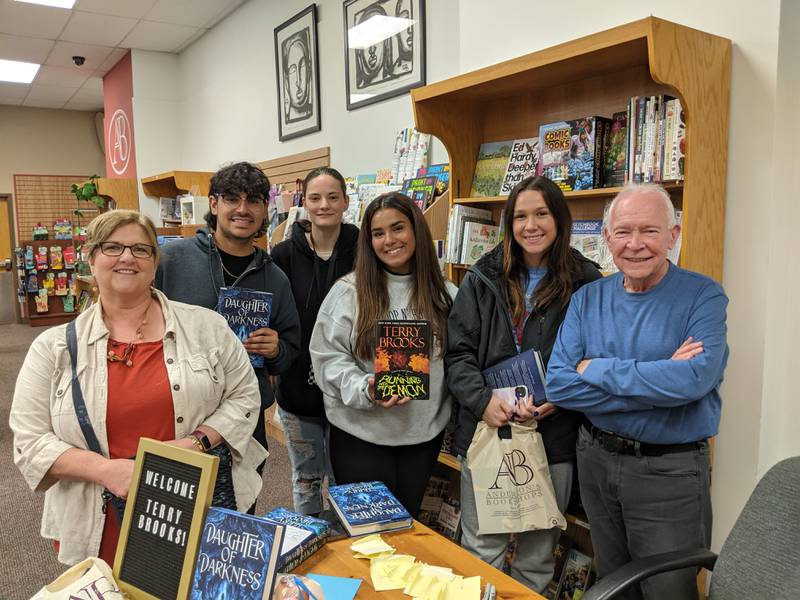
{"x":511,"y":481}
{"x":513,"y":467}
{"x":99,"y":589}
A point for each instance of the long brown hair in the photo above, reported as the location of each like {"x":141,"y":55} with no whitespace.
{"x":429,"y":297}
{"x":556,"y":287}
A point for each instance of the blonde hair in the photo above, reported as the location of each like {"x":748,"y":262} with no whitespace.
{"x":103,"y":226}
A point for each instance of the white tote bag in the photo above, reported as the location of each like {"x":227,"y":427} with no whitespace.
{"x":511,"y":481}
{"x":90,"y":579}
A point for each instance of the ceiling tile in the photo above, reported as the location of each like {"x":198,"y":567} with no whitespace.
{"x":10,"y":101}
{"x":111,"y":60}
{"x":43,"y":103}
{"x":26,"y":49}
{"x":89,"y":106}
{"x":84,"y":95}
{"x":195,"y":13}
{"x":14,"y":90}
{"x":50,"y":93}
{"x":101,"y":30}
{"x":74,"y":77}
{"x":19,"y":18}
{"x":62,"y":54}
{"x":160,"y":37}
{"x":118,"y":8}
{"x":93,"y":83}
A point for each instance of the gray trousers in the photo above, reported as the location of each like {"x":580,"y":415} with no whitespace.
{"x":533,"y":562}
{"x":644,"y":505}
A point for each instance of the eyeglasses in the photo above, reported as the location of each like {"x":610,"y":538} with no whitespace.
{"x":137,"y":250}
{"x":232,"y":201}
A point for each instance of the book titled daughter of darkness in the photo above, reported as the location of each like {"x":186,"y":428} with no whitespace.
{"x":245,"y":310}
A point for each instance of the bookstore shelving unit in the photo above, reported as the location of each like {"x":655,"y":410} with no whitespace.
{"x":596,"y":75}
{"x":174,"y":183}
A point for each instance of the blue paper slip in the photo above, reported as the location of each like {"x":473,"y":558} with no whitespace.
{"x":336,"y":588}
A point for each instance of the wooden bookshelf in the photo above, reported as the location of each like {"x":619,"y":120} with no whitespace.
{"x":596,"y":75}
{"x":174,"y":183}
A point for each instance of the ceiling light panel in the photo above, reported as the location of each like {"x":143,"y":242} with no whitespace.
{"x":54,"y":3}
{"x":17,"y":72}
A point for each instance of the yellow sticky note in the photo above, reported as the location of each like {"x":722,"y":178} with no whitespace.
{"x":371,"y":545}
{"x":381,"y":568}
{"x":464,"y":589}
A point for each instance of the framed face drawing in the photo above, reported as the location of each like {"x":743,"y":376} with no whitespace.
{"x":384,"y":49}
{"x":297,"y":72}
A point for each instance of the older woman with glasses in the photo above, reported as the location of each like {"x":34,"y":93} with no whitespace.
{"x":146,"y":367}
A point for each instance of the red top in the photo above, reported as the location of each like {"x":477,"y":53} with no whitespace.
{"x":139,"y":405}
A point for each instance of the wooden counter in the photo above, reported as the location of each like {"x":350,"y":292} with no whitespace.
{"x":336,"y":558}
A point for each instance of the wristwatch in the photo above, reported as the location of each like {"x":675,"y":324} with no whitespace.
{"x":200,"y":440}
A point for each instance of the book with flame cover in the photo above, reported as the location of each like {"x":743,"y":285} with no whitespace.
{"x":402,"y":359}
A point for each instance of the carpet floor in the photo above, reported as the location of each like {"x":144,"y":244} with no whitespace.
{"x":27,"y":562}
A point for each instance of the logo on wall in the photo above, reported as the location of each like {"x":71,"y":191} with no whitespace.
{"x":118,"y":143}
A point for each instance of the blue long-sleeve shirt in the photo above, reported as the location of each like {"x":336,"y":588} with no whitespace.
{"x":631,"y":386}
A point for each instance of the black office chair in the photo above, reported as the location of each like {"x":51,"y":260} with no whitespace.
{"x":760,"y":558}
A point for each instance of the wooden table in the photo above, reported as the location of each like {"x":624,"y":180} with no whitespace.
{"x":336,"y":558}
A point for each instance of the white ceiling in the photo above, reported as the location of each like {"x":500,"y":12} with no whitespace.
{"x":100,"y":30}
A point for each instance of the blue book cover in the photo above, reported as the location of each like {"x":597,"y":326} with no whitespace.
{"x":368,"y":507}
{"x":245,"y":310}
{"x":237,"y":558}
{"x":303,"y":536}
{"x":526,"y":368}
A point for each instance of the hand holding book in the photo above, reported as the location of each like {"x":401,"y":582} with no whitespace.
{"x":263,"y":341}
{"x":386,"y":402}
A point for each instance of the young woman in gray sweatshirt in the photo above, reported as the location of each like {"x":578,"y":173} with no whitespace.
{"x":397,"y":276}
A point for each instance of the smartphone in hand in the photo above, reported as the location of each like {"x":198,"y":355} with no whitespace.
{"x":513,"y":395}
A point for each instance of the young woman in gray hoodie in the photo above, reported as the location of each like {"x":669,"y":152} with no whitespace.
{"x":397,"y":276}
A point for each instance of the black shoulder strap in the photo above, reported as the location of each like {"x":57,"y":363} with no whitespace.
{"x":77,"y":394}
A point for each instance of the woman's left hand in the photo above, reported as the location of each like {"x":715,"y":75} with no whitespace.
{"x":263,"y":341}
{"x":528,"y":410}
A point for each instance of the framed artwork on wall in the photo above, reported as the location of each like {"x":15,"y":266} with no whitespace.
{"x":384,"y":49}
{"x":297,"y":71}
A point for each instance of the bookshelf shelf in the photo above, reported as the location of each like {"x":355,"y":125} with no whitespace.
{"x":174,"y":183}
{"x":450,"y":461}
{"x":596,"y":75}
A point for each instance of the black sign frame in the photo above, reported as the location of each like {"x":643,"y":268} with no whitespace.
{"x":171,"y":490}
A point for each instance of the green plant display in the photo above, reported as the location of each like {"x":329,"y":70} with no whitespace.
{"x":87,"y":191}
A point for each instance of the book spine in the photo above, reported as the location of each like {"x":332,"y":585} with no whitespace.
{"x":599,"y":136}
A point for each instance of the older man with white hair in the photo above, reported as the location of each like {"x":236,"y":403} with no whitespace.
{"x":641,"y":353}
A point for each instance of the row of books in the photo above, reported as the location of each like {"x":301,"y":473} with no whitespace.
{"x":471,"y":232}
{"x":655,"y":139}
{"x":642,"y":144}
{"x":240,"y":554}
{"x":440,"y":509}
{"x":410,"y":154}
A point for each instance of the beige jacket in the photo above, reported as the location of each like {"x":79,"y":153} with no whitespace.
{"x":212,"y":383}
